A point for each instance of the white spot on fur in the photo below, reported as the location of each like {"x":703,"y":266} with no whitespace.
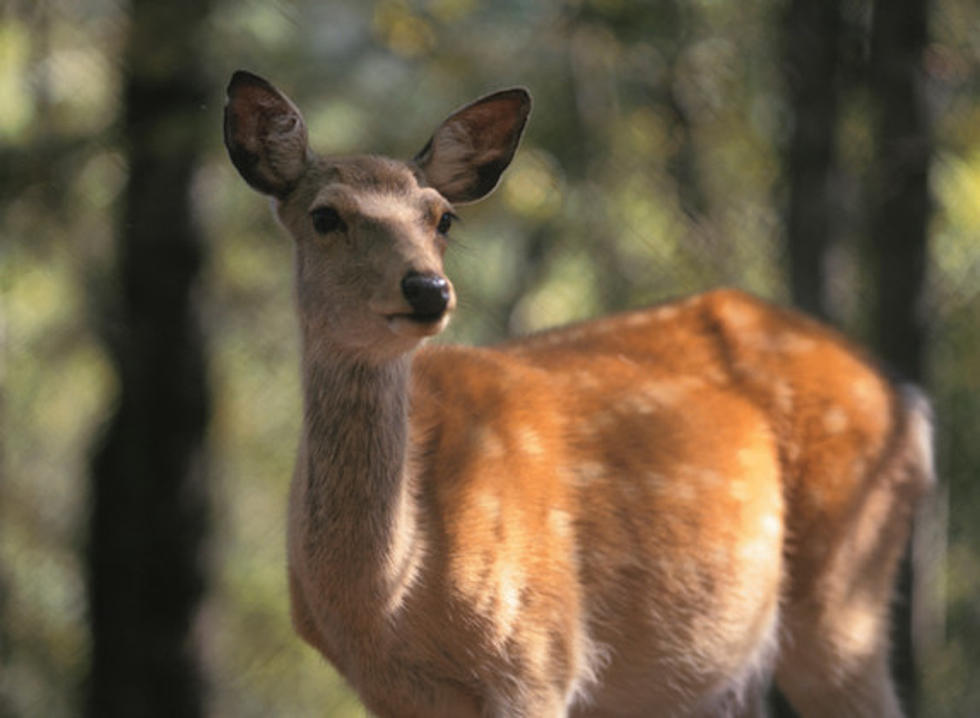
{"x":736,"y":316}
{"x":783,"y":396}
{"x":530,"y":442}
{"x":588,"y":472}
{"x":636,"y":404}
{"x":739,"y":490}
{"x":670,"y":392}
{"x":510,"y":582}
{"x":489,"y":506}
{"x":863,"y":389}
{"x":490,"y":444}
{"x":835,"y":420}
{"x":761,"y":550}
{"x":560,"y":523}
{"x":793,"y":343}
{"x":772,"y":525}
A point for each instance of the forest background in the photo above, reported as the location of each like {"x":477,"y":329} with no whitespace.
{"x":818,"y":153}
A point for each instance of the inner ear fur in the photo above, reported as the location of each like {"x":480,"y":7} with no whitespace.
{"x":469,"y":151}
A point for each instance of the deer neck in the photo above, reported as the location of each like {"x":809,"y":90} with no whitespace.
{"x":359,"y":514}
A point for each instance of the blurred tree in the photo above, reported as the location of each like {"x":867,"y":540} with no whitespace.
{"x":648,"y":171}
{"x":6,"y":710}
{"x":811,"y":37}
{"x":149,"y":512}
{"x":899,"y":200}
{"x":900,"y":207}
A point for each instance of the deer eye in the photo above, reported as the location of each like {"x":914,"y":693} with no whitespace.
{"x":445,"y":222}
{"x":326,"y":220}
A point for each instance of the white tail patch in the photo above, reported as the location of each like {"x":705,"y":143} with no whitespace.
{"x":920,"y":418}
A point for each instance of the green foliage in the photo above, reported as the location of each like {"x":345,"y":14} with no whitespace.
{"x":651,"y":168}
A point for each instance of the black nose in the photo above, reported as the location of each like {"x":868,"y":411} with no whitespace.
{"x":428,"y":294}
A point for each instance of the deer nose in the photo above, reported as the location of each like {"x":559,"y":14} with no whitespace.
{"x":428,"y":294}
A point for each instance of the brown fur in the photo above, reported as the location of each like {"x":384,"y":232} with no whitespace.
{"x":651,"y":514}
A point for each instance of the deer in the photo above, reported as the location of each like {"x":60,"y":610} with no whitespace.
{"x":660,"y":512}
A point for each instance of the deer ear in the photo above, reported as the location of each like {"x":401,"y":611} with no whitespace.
{"x":265,"y":135}
{"x":468,"y":152}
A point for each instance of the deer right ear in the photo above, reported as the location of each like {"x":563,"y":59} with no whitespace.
{"x":469,"y":151}
{"x":265,"y":135}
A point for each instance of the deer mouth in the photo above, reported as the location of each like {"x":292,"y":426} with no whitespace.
{"x":418,"y":323}
{"x":422,"y":317}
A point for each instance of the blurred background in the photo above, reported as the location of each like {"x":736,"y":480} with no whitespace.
{"x":818,"y":153}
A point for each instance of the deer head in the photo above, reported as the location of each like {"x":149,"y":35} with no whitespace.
{"x":370,"y":232}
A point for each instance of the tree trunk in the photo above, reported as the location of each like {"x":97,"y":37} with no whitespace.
{"x":6,"y":709}
{"x":812,"y":38}
{"x":900,"y":207}
{"x":149,"y":510}
{"x":900,"y":200}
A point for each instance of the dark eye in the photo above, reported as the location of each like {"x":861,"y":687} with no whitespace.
{"x":445,"y":222}
{"x":326,"y":220}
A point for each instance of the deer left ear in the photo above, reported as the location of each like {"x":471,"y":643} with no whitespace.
{"x":265,"y":135}
{"x":470,"y":150}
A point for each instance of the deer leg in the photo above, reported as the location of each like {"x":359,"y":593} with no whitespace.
{"x":834,"y":655}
